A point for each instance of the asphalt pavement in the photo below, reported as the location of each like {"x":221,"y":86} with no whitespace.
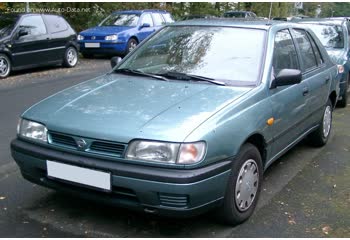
{"x":306,"y":193}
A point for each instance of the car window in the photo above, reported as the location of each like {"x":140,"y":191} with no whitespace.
{"x":330,"y":35}
{"x":55,"y":23}
{"x":168,"y":18}
{"x":147,"y":18}
{"x":34,"y":25}
{"x":306,"y":51}
{"x":317,"y":52}
{"x":7,"y":24}
{"x":348,"y":30}
{"x":158,"y":19}
{"x":284,"y":55}
{"x":117,"y":19}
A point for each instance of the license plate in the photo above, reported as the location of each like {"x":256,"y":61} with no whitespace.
{"x":88,"y":177}
{"x":92,"y":45}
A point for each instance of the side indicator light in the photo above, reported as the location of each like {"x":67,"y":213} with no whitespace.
{"x":270,"y":121}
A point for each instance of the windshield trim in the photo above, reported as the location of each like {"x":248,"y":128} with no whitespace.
{"x":229,"y":83}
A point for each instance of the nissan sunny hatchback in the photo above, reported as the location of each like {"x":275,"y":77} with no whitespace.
{"x":186,"y":122}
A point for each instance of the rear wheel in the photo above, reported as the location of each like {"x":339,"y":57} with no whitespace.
{"x":70,"y":57}
{"x":320,"y":136}
{"x":344,"y":100}
{"x":5,"y":66}
{"x":243,"y":188}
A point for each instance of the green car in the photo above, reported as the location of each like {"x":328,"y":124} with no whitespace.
{"x":187,"y":122}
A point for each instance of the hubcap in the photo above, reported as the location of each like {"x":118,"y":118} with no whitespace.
{"x":4,"y":67}
{"x":246,"y":185}
{"x":132,"y":46}
{"x":327,"y":121}
{"x":72,"y":57}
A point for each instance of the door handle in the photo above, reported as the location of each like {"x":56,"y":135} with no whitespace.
{"x":305,"y":91}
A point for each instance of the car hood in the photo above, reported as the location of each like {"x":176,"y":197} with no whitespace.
{"x":120,"y":108}
{"x":337,"y":55}
{"x":104,"y":30}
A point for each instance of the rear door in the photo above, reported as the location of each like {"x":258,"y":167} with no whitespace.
{"x":30,"y":49}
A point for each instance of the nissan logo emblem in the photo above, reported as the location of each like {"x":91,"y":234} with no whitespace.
{"x":81,"y":143}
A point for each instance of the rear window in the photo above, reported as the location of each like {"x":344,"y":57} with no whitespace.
{"x":56,"y":23}
{"x":330,"y":35}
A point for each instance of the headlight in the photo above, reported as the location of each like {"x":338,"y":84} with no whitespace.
{"x":340,"y":68}
{"x":185,"y":153}
{"x":111,"y":38}
{"x":32,"y":130}
{"x":80,"y":37}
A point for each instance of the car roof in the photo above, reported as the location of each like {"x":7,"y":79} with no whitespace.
{"x":333,"y":21}
{"x":141,"y":11}
{"x":234,"y":22}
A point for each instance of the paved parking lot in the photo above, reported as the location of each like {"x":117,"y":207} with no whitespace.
{"x":306,"y":193}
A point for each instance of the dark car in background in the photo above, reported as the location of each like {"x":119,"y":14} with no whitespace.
{"x":122,"y":31}
{"x":32,"y":40}
{"x":334,"y":35}
{"x":239,"y":14}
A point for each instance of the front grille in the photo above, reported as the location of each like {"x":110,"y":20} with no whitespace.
{"x":107,"y":147}
{"x":61,"y":139}
{"x":173,"y":200}
{"x":96,"y":38}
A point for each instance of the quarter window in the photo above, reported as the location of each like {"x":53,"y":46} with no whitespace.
{"x":306,"y":51}
{"x":147,"y":18}
{"x":317,"y":52}
{"x":34,"y":25}
{"x":284,"y":55}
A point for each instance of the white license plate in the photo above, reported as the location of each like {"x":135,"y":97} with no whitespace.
{"x":92,"y":45}
{"x":88,"y":177}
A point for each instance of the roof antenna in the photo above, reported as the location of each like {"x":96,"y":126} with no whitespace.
{"x":270,"y":13}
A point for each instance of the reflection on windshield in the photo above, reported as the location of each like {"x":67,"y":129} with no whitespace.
{"x":221,"y":53}
{"x":6,"y":25}
{"x":331,"y":36}
{"x":130,"y":20}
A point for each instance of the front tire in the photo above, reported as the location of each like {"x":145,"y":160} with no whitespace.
{"x":320,"y":136}
{"x":5,"y":66}
{"x":244,"y":186}
{"x":132,"y":44}
{"x":70,"y":57}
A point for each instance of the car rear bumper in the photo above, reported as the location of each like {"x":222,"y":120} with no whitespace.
{"x":169,"y":192}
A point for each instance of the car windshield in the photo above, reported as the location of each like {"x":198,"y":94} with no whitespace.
{"x":6,"y":24}
{"x":130,"y":20}
{"x":331,"y":36}
{"x":231,"y":55}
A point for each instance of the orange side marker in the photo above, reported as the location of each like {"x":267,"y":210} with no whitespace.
{"x":270,"y":121}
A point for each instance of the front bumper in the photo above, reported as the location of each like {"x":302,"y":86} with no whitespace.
{"x":169,"y":192}
{"x":105,"y":48}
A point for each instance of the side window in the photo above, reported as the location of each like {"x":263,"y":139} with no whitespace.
{"x":55,"y":23}
{"x":147,"y":18}
{"x":317,"y":52}
{"x":348,"y":28}
{"x":306,"y":51}
{"x":284,"y":54}
{"x":168,"y":17}
{"x":158,"y":19}
{"x":34,"y":25}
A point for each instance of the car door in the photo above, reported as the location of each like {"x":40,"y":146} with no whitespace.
{"x":30,"y":49}
{"x":314,"y":74}
{"x":144,"y":32}
{"x":289,"y":103}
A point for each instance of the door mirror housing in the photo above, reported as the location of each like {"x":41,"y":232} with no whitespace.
{"x":287,"y":77}
{"x":145,"y":25}
{"x":115,"y":61}
{"x":22,"y":32}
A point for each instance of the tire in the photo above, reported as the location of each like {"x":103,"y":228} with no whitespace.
{"x":5,"y":66}
{"x":132,"y":44}
{"x":70,"y":57}
{"x":87,"y":55}
{"x":320,"y":136}
{"x":232,"y":212}
{"x":344,"y":100}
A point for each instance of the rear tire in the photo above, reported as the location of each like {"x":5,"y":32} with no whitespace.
{"x":70,"y":57}
{"x":5,"y":66}
{"x":320,"y":136}
{"x":344,"y":100}
{"x":243,"y":188}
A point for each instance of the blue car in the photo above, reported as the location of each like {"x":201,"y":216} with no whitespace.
{"x":121,"y":32}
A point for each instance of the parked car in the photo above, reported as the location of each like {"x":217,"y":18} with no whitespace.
{"x":122,"y":31}
{"x":32,"y":40}
{"x":334,"y":35}
{"x":181,"y":125}
{"x":239,"y":14}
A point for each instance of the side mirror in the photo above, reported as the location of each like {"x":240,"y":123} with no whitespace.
{"x":287,"y":77}
{"x":22,"y":32}
{"x":115,"y":61}
{"x":145,"y":25}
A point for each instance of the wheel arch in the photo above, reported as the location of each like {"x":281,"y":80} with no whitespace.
{"x":333,"y":98}
{"x":258,"y":140}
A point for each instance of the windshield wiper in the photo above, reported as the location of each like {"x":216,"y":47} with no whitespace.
{"x":190,"y":77}
{"x":139,"y":73}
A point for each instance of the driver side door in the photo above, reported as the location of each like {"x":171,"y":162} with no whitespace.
{"x":144,"y":32}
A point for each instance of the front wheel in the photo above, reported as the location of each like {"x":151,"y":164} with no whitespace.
{"x":70,"y":57}
{"x":320,"y":136}
{"x":5,"y":66}
{"x":132,"y":44}
{"x":243,"y":188}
